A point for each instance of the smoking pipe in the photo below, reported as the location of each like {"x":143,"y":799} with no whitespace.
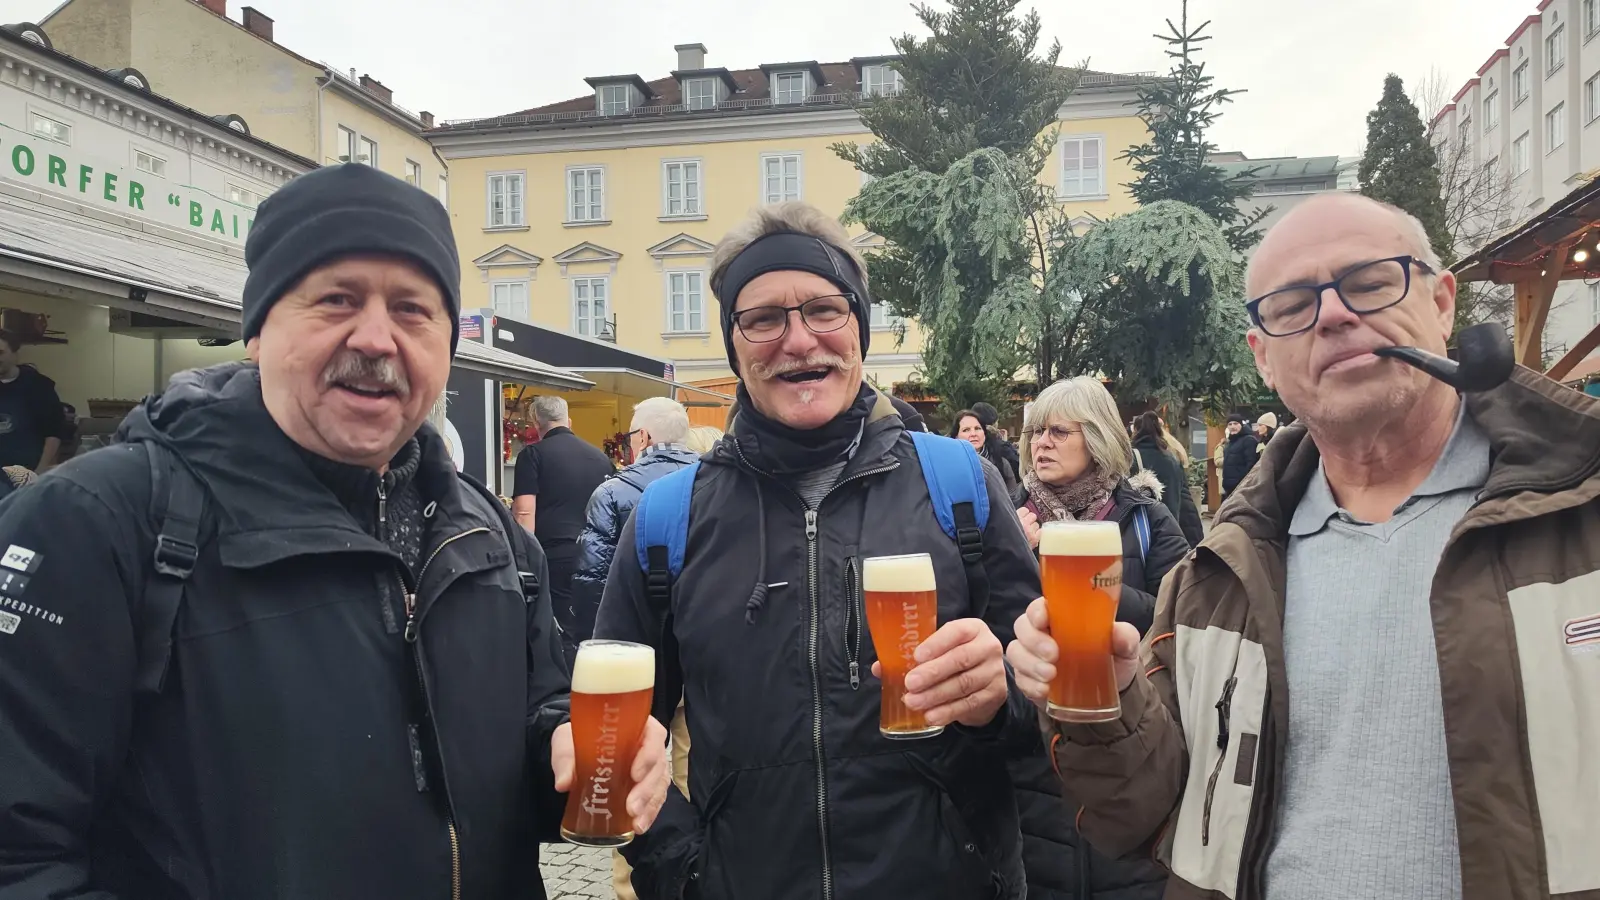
{"x":1484,"y":359}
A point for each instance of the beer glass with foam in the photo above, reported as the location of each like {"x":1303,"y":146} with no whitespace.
{"x":612,"y":684}
{"x":1080,"y":564}
{"x":902,"y":612}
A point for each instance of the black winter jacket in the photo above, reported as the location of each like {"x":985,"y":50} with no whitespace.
{"x":1175,"y":493}
{"x":796,"y":794}
{"x":609,"y":508}
{"x":300,"y":746}
{"x":1061,"y":864}
{"x":1238,"y":458}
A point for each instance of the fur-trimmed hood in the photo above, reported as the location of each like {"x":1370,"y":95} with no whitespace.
{"x":1146,"y":482}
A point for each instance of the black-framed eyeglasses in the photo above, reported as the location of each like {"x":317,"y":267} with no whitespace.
{"x":760,"y":324}
{"x":1366,"y":289}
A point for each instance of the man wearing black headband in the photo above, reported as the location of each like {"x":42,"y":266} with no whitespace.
{"x":795,"y":793}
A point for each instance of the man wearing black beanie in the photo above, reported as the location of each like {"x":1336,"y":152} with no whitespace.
{"x":278,"y":647}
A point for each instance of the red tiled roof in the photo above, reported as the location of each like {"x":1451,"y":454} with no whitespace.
{"x":1526,"y":24}
{"x":1463,"y":92}
{"x":1498,"y":55}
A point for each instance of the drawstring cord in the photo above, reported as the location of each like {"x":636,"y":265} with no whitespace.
{"x":758,"y":596}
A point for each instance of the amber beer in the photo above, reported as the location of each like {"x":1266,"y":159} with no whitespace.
{"x":612,"y":683}
{"x":902,"y":612}
{"x":1081,"y":566}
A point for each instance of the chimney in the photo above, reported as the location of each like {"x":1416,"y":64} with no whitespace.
{"x":690,"y":56}
{"x":427,"y":118}
{"x":257,"y":24}
{"x":220,"y":7}
{"x":375,"y":87}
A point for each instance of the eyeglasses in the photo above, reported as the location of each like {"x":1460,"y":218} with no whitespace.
{"x":761,"y":324}
{"x":1366,"y":289}
{"x":1058,"y":434}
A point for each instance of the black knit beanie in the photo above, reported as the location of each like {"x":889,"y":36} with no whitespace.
{"x":340,"y":211}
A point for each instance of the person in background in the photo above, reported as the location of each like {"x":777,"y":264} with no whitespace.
{"x":1378,"y":681}
{"x":1238,"y":455}
{"x":1001,"y":448}
{"x":1266,"y":426}
{"x":968,"y":428}
{"x":555,"y":478}
{"x":1077,"y":468}
{"x":32,"y":423}
{"x":909,"y":417}
{"x":702,"y":438}
{"x":1151,"y":454}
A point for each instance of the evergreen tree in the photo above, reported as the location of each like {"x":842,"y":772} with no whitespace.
{"x":1174,"y":162}
{"x":1400,"y":165}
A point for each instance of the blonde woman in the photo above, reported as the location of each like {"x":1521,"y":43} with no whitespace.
{"x":702,"y":438}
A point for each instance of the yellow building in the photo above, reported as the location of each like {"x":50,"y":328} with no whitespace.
{"x":193,"y":53}
{"x":598,"y":215}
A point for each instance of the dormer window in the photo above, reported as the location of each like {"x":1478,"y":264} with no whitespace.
{"x":615,"y":99}
{"x":879,"y":81}
{"x":700,"y":93}
{"x":788,"y":87}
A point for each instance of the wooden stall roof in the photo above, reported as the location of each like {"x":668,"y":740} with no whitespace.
{"x":1519,"y":254}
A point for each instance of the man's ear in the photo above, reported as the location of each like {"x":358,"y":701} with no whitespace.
{"x":252,"y":349}
{"x":1258,"y":347}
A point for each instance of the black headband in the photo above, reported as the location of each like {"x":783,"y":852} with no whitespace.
{"x":790,"y":251}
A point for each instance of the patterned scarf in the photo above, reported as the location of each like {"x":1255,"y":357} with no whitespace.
{"x":1080,"y":500}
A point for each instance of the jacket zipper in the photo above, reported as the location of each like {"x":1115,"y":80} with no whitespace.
{"x":1224,"y":708}
{"x":416,"y":658}
{"x":812,"y":578}
{"x":852,"y":644}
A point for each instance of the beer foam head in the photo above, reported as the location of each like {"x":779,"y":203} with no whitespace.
{"x":1080,"y":539}
{"x":611,"y":667}
{"x":898,"y":574}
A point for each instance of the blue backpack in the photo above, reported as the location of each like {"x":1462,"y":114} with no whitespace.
{"x":950,"y":467}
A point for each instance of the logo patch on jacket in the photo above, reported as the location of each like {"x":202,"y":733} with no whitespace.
{"x":1582,"y":631}
{"x":20,"y":558}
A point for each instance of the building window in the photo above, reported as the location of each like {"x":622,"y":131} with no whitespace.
{"x":1491,"y":111}
{"x":149,"y":163}
{"x":685,"y":302}
{"x":369,"y":152}
{"x":586,"y":195}
{"x":881,"y":317}
{"x":1464,"y":132}
{"x":1591,"y":99}
{"x":444,"y":192}
{"x":780,"y":177}
{"x":880,"y":81}
{"x":789,"y":87}
{"x":1555,"y":127}
{"x":243,"y":196}
{"x":347,"y":145}
{"x":50,"y":129}
{"x":1519,"y":84}
{"x":1519,"y":155}
{"x":1082,"y":167}
{"x":1591,"y":17}
{"x":510,"y":299}
{"x":615,"y":99}
{"x":589,"y":306}
{"x":1594,"y":305}
{"x":505,"y":200}
{"x":1492,"y":167}
{"x":680,"y":181}
{"x":700,"y":93}
{"x":1555,"y":50}
{"x":413,"y":173}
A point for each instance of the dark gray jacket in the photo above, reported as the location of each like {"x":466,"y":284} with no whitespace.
{"x":796,"y":794}
{"x":609,"y":508}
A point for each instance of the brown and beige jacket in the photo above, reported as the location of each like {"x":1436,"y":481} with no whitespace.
{"x":1516,"y":614}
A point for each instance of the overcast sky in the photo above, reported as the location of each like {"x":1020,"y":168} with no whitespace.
{"x":1312,"y":68}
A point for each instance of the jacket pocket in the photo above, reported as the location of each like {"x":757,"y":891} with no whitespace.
{"x":855,"y":619}
{"x":976,"y":877}
{"x":708,"y":866}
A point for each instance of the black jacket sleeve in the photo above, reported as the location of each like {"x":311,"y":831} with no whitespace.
{"x":72,"y":576}
{"x":663,"y":857}
{"x":597,"y":544}
{"x":1194,"y":531}
{"x":1167,"y":548}
{"x":549,"y":687}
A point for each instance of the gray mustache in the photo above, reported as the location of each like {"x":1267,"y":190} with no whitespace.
{"x":356,"y":369}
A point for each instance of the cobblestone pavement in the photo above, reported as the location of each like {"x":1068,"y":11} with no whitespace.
{"x":576,"y":873}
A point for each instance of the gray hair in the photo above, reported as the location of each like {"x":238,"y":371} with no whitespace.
{"x":665,"y":419}
{"x":702,"y":438}
{"x":549,"y":410}
{"x":1083,"y":401}
{"x":437,"y":415}
{"x":793,"y":215}
{"x":1415,"y":232}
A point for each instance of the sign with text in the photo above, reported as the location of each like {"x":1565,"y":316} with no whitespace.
{"x":75,"y":174}
{"x":471,"y":328}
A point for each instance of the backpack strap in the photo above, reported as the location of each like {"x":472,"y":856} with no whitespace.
{"x":960,"y":496}
{"x":1141,"y":526}
{"x":661,"y":531}
{"x":177,"y":503}
{"x":527,"y":572}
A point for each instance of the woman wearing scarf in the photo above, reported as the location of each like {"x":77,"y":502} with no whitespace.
{"x":1076,"y":457}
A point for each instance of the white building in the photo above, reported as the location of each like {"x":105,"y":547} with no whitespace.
{"x":1284,"y":182}
{"x":1531,"y":113}
{"x":123,"y":217}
